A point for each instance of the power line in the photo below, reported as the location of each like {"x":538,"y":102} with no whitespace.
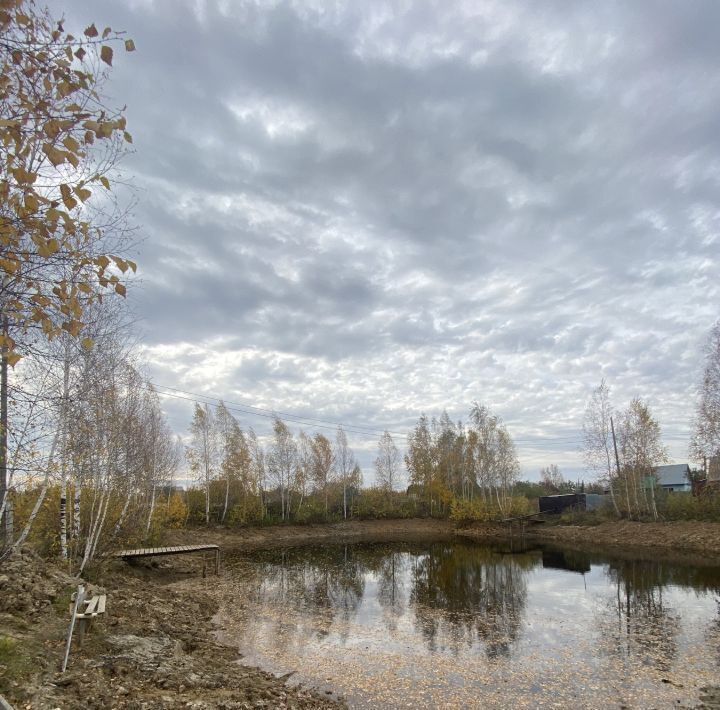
{"x":273,"y":413}
{"x":248,"y":409}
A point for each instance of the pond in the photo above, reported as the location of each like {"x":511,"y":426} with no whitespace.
{"x":457,"y":624}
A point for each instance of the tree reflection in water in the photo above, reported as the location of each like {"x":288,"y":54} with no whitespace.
{"x":471,"y":596}
{"x":425,"y":622}
{"x":459,"y":595}
{"x":325,"y":584}
{"x":640,"y":625}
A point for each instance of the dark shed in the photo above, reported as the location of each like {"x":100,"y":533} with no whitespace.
{"x":556,"y":504}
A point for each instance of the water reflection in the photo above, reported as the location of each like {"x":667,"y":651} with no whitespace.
{"x":477,"y":595}
{"x":453,"y":615}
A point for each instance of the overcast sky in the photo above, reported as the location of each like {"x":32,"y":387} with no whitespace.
{"x":363,"y":211}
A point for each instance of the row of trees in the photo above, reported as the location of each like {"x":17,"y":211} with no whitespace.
{"x":276,"y":478}
{"x":286,"y":472}
{"x":448,"y":461}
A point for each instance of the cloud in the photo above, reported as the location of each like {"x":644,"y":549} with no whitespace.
{"x":362,"y":212}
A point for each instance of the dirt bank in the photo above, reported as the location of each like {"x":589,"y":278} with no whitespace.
{"x":284,"y":535}
{"x":672,"y":538}
{"x":153,"y":649}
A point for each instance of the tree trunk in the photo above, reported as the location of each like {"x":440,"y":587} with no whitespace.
{"x":40,"y":498}
{"x":150,"y":514}
{"x":123,"y":512}
{"x":4,"y":423}
{"x":227,"y":497}
{"x":76,"y":515}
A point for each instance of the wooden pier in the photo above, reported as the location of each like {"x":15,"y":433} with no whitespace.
{"x":178,"y":550}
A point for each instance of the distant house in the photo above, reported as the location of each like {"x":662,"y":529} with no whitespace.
{"x":675,"y":477}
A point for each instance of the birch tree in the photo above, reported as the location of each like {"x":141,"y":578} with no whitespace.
{"x":705,"y":442}
{"x":597,"y":441}
{"x":203,"y":451}
{"x":641,"y":452}
{"x":281,"y":463}
{"x":322,"y":465}
{"x":419,"y":458}
{"x":387,"y":463}
{"x":344,"y":461}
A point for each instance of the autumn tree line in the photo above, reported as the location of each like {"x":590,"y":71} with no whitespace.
{"x":313,"y":478}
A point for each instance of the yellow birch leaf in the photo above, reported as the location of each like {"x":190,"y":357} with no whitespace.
{"x":13,"y":358}
{"x":87,"y":343}
{"x":71,"y":144}
{"x":91,"y":31}
{"x":83,"y":193}
{"x":73,"y":327}
{"x":104,"y":182}
{"x":55,"y":156}
{"x":129,"y":45}
{"x":31,"y":203}
{"x":106,"y":32}
{"x":128,"y":137}
{"x":120,"y":289}
{"x":68,"y":200}
{"x":106,"y":54}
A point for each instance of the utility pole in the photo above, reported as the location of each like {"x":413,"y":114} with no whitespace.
{"x":617,"y":464}
{"x":617,"y":458}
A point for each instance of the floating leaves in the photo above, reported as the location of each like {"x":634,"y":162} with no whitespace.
{"x":366,"y":623}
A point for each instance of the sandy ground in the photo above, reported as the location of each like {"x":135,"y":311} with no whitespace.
{"x":156,"y":646}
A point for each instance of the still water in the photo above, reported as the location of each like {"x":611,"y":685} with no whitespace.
{"x":457,"y":624}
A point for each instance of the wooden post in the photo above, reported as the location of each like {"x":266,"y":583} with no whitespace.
{"x":79,"y":599}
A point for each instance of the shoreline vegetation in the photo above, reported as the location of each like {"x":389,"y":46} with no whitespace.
{"x":159,"y":647}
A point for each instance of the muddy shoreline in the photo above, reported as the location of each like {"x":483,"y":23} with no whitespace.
{"x":157,"y":645}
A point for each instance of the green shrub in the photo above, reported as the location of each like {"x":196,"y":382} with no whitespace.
{"x":482,"y":511}
{"x":681,"y":505}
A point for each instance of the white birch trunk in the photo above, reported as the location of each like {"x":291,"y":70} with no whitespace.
{"x":121,"y":519}
{"x":9,"y":522}
{"x":150,"y":514}
{"x":227,"y":497}
{"x":76,"y":515}
{"x":96,"y":529}
{"x":41,"y":497}
{"x":63,"y":519}
{"x":63,"y":455}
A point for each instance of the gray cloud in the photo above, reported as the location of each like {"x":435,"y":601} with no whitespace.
{"x":366,"y":211}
